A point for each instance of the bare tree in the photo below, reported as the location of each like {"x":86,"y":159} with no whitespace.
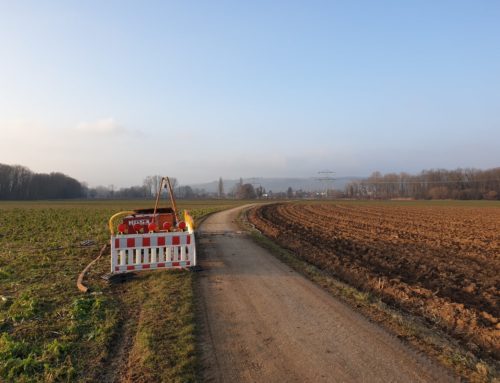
{"x":152,"y":184}
{"x":148,"y":184}
{"x":246,"y":191}
{"x":221,"y":188}
{"x":156,"y":183}
{"x":430,"y":184}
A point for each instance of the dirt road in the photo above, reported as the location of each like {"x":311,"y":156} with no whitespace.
{"x":263,"y":322}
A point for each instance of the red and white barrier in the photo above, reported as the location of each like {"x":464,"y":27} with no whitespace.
{"x":152,"y":251}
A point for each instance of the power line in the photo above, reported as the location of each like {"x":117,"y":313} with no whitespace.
{"x":326,"y":176}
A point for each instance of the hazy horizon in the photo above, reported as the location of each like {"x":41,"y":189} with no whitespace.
{"x":109,"y":93}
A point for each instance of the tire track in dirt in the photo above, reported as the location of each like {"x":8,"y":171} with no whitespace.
{"x":118,"y":367}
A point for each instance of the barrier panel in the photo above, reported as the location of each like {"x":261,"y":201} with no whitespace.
{"x":152,"y":251}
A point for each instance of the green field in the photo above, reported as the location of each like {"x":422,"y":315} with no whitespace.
{"x":49,"y":331}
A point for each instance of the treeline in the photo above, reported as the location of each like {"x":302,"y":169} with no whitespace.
{"x":148,"y":190}
{"x":144,"y":192}
{"x":20,"y":183}
{"x":429,"y":184}
{"x":150,"y":185}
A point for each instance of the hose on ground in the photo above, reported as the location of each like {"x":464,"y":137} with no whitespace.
{"x":79,"y":282}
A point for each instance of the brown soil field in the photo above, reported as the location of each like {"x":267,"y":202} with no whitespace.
{"x":439,"y":262}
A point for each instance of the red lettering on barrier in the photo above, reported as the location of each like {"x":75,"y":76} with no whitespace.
{"x":117,"y":268}
{"x":146,"y":266}
{"x":130,"y":242}
{"x":188,"y":239}
{"x":176,"y":240}
{"x":161,"y":241}
{"x":188,"y":263}
{"x":117,"y":243}
{"x":146,"y":241}
{"x":161,"y":264}
{"x":174,"y":264}
{"x":130,"y":267}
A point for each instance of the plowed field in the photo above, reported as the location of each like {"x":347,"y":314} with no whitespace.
{"x":441,"y":263}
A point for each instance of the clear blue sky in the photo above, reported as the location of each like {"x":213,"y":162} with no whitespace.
{"x":111,"y":91}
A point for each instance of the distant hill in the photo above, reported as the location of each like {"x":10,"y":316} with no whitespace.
{"x":278,"y":184}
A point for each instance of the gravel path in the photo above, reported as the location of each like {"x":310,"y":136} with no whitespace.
{"x":263,"y":322}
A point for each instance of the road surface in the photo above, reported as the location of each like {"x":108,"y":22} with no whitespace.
{"x":263,"y":322}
